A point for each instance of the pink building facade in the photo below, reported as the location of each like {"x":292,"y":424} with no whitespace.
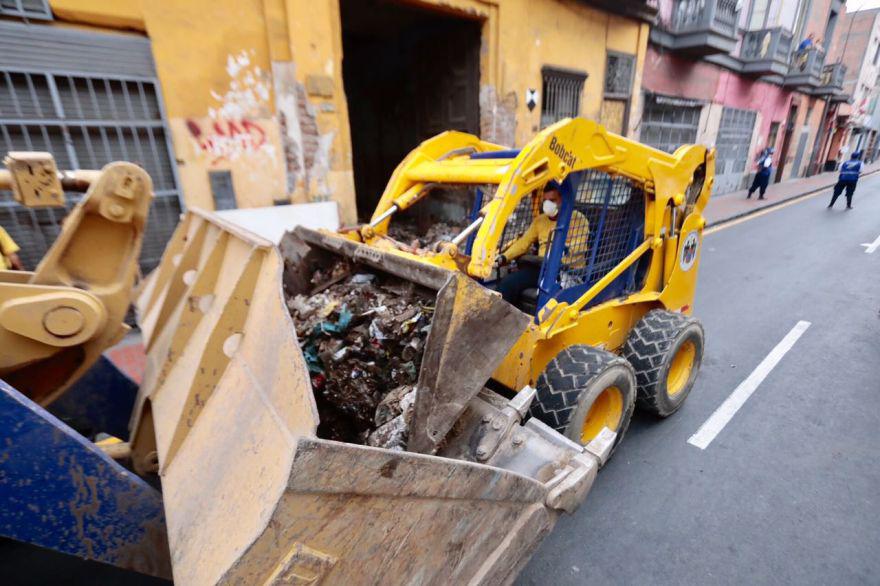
{"x":741,"y":77}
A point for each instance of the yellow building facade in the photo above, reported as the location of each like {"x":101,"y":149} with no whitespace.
{"x":283,"y":101}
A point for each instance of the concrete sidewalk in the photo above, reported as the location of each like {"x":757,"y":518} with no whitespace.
{"x":723,"y":208}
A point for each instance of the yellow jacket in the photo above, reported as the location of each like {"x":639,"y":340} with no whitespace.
{"x":541,"y":230}
{"x":8,"y":247}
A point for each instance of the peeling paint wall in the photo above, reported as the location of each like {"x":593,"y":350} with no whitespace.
{"x":254,"y":87}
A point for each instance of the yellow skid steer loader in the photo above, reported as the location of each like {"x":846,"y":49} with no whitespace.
{"x":362,"y":407}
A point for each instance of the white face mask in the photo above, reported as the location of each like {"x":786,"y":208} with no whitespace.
{"x":549,"y":207}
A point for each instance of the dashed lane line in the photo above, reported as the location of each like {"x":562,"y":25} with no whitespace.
{"x":722,"y":416}
{"x":870,"y":247}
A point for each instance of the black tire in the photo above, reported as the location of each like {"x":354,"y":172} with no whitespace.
{"x":573,"y":381}
{"x":651,"y":348}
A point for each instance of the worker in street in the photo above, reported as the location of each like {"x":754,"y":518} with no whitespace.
{"x":9,"y":252}
{"x":848,"y":178}
{"x":762,"y":176}
{"x":540,"y":232}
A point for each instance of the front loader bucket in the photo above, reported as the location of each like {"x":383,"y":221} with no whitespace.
{"x":252,"y":495}
{"x":472,"y":330}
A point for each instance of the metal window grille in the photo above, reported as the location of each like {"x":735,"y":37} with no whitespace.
{"x":561,"y":94}
{"x":520,"y":220}
{"x":35,"y":9}
{"x":619,"y":68}
{"x":613,"y":207}
{"x":734,"y":138}
{"x":667,"y":126}
{"x":86,"y":121}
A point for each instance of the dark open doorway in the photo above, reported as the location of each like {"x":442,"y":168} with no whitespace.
{"x":408,"y":74}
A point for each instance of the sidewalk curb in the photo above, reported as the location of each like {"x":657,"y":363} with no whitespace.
{"x":779,"y":203}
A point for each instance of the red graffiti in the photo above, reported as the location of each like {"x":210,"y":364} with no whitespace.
{"x":229,"y":139}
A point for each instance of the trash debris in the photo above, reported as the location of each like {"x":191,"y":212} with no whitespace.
{"x":363,"y":336}
{"x":408,"y":234}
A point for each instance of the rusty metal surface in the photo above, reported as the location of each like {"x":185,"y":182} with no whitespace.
{"x":59,"y":491}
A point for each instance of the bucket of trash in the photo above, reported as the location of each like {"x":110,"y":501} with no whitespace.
{"x":318,"y":411}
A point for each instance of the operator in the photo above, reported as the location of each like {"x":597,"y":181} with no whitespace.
{"x":9,"y":252}
{"x":540,"y":231}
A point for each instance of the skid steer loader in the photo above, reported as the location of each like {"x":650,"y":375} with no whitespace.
{"x":512,"y":410}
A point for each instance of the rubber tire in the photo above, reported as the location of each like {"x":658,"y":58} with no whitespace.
{"x":650,"y":347}
{"x":573,"y":380}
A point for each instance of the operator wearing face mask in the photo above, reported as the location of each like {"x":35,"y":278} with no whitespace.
{"x":540,"y":231}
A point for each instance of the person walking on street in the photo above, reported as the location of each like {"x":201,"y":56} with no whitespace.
{"x":762,"y":177}
{"x":9,"y":253}
{"x":848,"y":178}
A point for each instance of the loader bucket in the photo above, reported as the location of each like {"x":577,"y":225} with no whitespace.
{"x":472,"y":330}
{"x":252,"y":495}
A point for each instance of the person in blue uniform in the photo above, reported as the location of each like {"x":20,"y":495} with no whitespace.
{"x":848,"y":178}
{"x":762,"y":177}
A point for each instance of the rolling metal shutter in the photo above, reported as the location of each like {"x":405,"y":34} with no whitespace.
{"x":734,"y":139}
{"x":88,"y":98}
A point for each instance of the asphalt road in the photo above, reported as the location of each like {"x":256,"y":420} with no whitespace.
{"x":789,"y":490}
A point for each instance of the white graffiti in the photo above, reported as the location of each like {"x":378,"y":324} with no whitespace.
{"x":233,"y":129}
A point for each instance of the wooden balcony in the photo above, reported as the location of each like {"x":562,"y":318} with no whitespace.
{"x":805,"y":69}
{"x":699,"y":27}
{"x":831,"y":82}
{"x":766,"y":52}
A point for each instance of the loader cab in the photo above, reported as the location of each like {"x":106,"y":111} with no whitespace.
{"x":614,"y":207}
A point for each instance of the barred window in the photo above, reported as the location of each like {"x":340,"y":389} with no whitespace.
{"x":561,"y":94}
{"x":86,"y":121}
{"x":37,"y":9}
{"x":619,"y":68}
{"x":668,"y":126}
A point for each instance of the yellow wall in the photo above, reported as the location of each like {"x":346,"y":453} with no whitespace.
{"x":255,"y":86}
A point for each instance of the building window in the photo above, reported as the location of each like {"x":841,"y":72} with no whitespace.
{"x":561,"y":94}
{"x":668,"y":122}
{"x":877,"y":53}
{"x":37,"y":9}
{"x":619,"y":69}
{"x":222,"y":190}
{"x":758,"y":17}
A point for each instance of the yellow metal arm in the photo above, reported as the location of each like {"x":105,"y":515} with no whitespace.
{"x":575,"y":145}
{"x":445,"y":146}
{"x":56,"y":321}
{"x":569,"y":146}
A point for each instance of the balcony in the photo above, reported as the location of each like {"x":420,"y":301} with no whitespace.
{"x":766,"y":51}
{"x":831,"y":82}
{"x":805,"y":69}
{"x":699,"y":27}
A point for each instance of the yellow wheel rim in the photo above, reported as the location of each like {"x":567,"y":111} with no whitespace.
{"x":605,"y":411}
{"x":680,"y":369}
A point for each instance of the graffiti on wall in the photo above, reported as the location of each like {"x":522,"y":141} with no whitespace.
{"x":232,"y":129}
{"x":229,"y":139}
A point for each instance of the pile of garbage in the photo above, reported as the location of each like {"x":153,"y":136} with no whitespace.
{"x":363,"y":336}
{"x":407,"y":233}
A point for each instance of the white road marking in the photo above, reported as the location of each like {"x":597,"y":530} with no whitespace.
{"x":870,"y":247}
{"x":722,"y":416}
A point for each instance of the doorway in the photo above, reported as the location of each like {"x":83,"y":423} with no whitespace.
{"x":409,"y":74}
{"x":786,"y":142}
